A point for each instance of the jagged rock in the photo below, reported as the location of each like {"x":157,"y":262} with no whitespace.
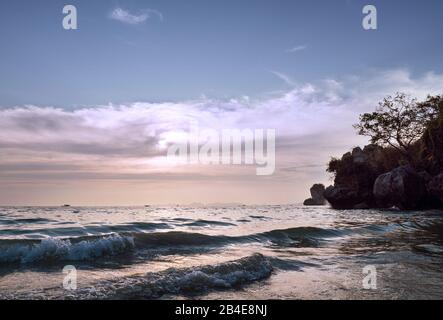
{"x":435,"y":187}
{"x":317,"y":192}
{"x":354,"y":180}
{"x":358,"y":156}
{"x":317,"y":196}
{"x":402,"y":187}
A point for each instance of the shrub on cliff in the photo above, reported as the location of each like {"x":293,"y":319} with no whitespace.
{"x":378,"y":159}
{"x":399,"y":122}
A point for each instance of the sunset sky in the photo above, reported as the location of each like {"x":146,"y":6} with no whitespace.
{"x":86,"y":115}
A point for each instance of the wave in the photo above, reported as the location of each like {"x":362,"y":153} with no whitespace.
{"x":187,"y":281}
{"x":432,"y":249}
{"x":279,"y":237}
{"x":205,"y":223}
{"x":299,"y":237}
{"x":55,"y":250}
{"x":92,"y":247}
{"x":85,"y":230}
{"x":259,"y":217}
{"x":25,"y":221}
{"x":302,"y":232}
{"x":179,"y":238}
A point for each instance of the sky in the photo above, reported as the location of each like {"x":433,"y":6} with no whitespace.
{"x":85,"y":114}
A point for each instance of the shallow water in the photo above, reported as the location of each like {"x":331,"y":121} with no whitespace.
{"x":247,"y":252}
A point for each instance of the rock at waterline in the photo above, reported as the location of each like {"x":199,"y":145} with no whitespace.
{"x":341,"y":197}
{"x":356,"y":173}
{"x":435,"y":187}
{"x":317,"y":196}
{"x":402,"y":187}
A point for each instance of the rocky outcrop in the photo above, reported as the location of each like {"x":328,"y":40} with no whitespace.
{"x":378,"y":177}
{"x":317,"y":196}
{"x":354,"y":180}
{"x":432,"y":145}
{"x":435,"y":187}
{"x":341,"y":197}
{"x":402,"y":187}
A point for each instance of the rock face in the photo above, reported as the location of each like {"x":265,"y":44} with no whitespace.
{"x":376,"y":177}
{"x":433,"y":145}
{"x":341,"y":197}
{"x":354,"y":180}
{"x":435,"y":187}
{"x":402,"y":187}
{"x":317,"y":196}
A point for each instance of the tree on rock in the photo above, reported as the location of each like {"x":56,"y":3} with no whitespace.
{"x":398,"y":122}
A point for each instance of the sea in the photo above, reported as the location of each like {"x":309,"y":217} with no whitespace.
{"x":219,"y":252}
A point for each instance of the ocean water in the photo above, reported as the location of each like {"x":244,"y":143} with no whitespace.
{"x":244,"y":252}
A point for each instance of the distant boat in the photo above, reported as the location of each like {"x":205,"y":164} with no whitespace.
{"x":66,"y":205}
{"x":147,"y":206}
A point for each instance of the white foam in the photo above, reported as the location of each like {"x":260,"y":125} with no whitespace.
{"x":190,"y":281}
{"x":51,"y":249}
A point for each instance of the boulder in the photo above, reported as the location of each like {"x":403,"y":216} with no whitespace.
{"x":435,"y":187}
{"x":311,"y":202}
{"x":317,"y":196}
{"x":402,"y":187}
{"x":342,"y":197}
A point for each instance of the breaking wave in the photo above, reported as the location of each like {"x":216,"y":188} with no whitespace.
{"x":186,"y":281}
{"x":93,"y":247}
{"x":52,"y":249}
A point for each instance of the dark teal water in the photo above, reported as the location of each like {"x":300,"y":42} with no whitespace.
{"x":247,"y":252}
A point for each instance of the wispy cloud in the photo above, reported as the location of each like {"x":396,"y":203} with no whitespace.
{"x":125,"y":16}
{"x":284,"y":77}
{"x":313,"y":122}
{"x":139,"y":129}
{"x":297,"y":48}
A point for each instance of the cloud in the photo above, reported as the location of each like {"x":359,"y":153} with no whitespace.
{"x":297,"y":48}
{"x":125,"y":16}
{"x":313,"y":122}
{"x":116,"y":130}
{"x":284,"y":77}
